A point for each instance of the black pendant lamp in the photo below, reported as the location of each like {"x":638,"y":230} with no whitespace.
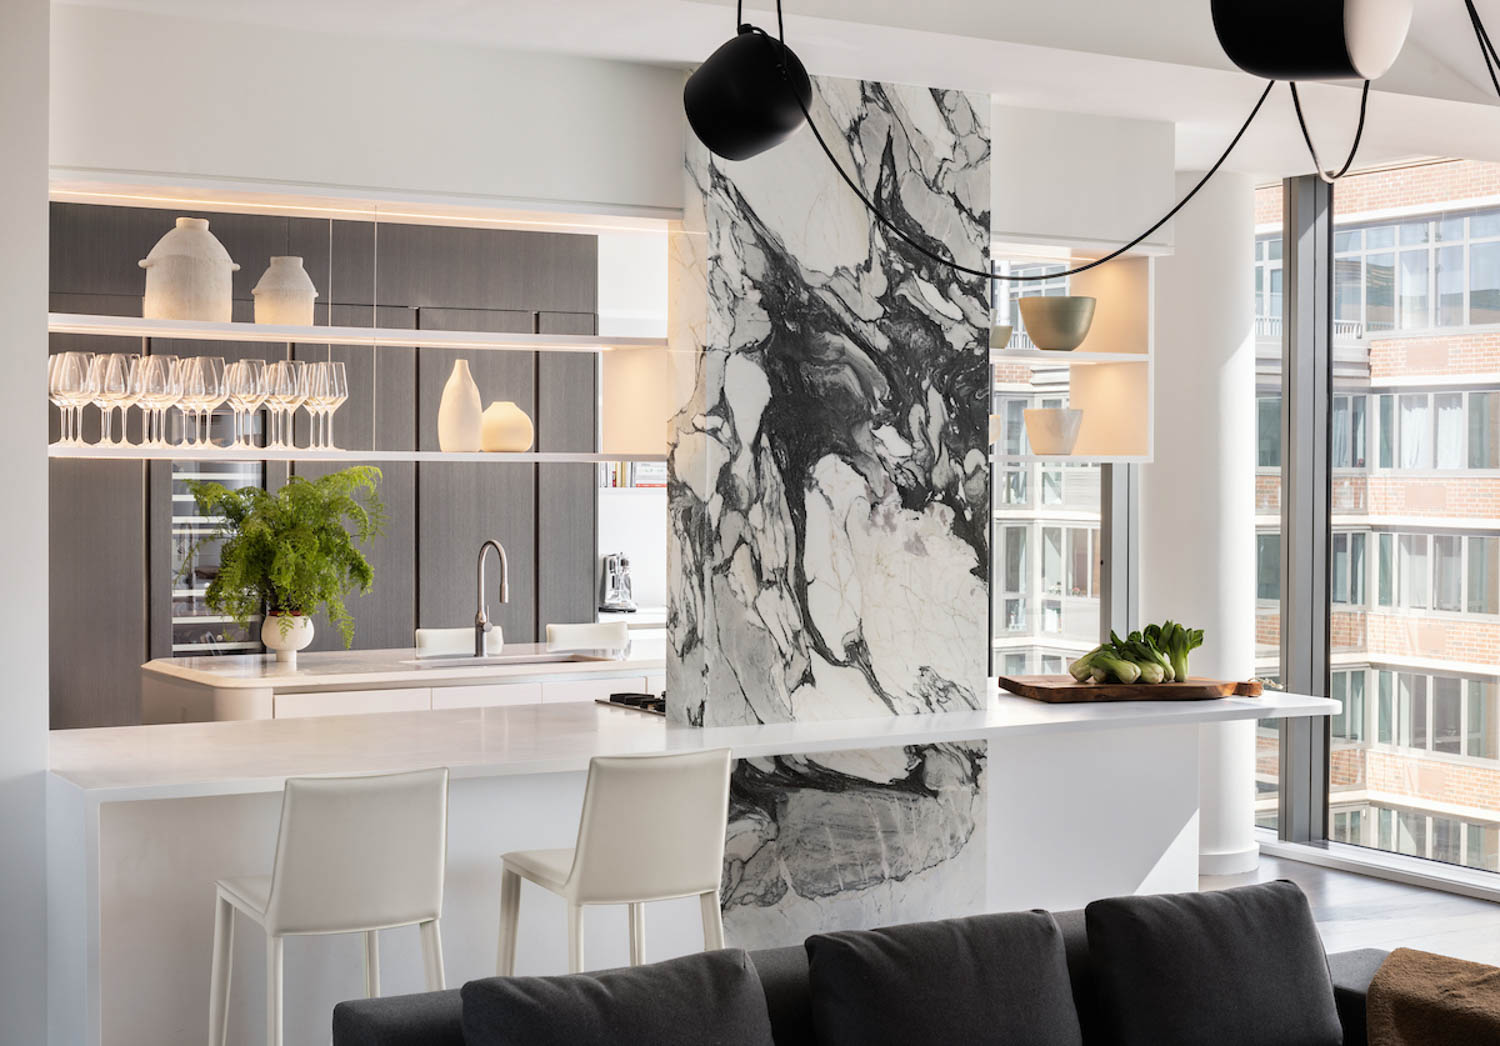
{"x":740,"y":102}
{"x":1313,"y":39}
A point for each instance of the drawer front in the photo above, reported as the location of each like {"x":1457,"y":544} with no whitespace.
{"x":488,"y":695}
{"x":352,"y":702}
{"x":590,"y":689}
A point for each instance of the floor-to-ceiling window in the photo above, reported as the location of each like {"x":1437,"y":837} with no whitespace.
{"x":1267,"y":479}
{"x":1414,"y":527}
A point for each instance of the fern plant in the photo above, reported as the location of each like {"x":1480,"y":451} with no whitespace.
{"x":296,"y":551}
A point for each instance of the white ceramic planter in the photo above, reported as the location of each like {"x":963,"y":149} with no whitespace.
{"x":285,"y":293}
{"x":284,"y":642}
{"x":189,"y":276}
{"x":460,"y":415}
{"x":1053,"y":430}
{"x":506,"y":428}
{"x":1000,"y":335}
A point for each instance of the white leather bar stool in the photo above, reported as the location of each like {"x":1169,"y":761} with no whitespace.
{"x":353,"y":855}
{"x":652,"y":829}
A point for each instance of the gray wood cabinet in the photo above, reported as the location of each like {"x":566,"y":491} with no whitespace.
{"x":111,"y":521}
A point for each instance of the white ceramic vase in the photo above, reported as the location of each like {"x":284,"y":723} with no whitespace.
{"x":285,"y":642}
{"x":188,"y":275}
{"x":285,"y":293}
{"x":506,"y":428}
{"x":460,"y":416}
{"x":1053,"y":430}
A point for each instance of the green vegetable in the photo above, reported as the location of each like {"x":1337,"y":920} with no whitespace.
{"x":292,"y":552}
{"x":1082,"y":669}
{"x":1121,"y":670}
{"x":1177,"y":642}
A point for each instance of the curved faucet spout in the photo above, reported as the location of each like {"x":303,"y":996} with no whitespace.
{"x":482,"y":624}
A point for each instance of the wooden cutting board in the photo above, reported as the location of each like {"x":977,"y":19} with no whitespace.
{"x":1067,"y":690}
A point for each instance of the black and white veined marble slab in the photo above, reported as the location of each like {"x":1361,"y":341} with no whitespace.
{"x":829,"y":500}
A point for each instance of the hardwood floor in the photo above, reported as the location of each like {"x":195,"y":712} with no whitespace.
{"x":1356,"y":911}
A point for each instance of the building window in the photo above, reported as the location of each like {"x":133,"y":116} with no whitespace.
{"x":1268,"y":431}
{"x":1446,"y":572}
{"x":1348,"y":687}
{"x":1349,"y":568}
{"x":1348,"y":432}
{"x":1431,"y":713}
{"x":1268,"y":567}
{"x":1017,"y":570}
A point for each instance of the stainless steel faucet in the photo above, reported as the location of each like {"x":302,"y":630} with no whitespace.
{"x":482,"y":625}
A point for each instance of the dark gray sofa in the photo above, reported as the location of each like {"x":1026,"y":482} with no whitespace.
{"x":434,"y":1018}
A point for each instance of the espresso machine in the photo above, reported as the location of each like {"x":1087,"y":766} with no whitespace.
{"x":614,"y":586}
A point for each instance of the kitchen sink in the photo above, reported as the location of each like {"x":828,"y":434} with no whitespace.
{"x":465,"y":660}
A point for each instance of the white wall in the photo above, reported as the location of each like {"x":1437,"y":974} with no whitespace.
{"x":1197,"y":560}
{"x":633,"y":284}
{"x":1077,"y":178}
{"x":155,"y":94}
{"x":23,"y":518}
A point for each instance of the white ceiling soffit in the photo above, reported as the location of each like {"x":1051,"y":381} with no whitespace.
{"x":1141,"y":59}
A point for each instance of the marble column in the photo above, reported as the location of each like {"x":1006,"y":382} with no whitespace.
{"x":829,"y":500}
{"x":1197,"y":552}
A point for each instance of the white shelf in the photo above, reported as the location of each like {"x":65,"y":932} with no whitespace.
{"x":192,"y":330}
{"x":300,"y":454}
{"x":1055,"y":358}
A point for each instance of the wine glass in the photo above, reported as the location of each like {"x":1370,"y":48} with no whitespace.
{"x":318,"y":387}
{"x":159,"y":382}
{"x":215,"y":392}
{"x":109,"y":386}
{"x":191,"y":394}
{"x":338,"y":393}
{"x":246,"y":386}
{"x":287,"y":389}
{"x":68,"y":388}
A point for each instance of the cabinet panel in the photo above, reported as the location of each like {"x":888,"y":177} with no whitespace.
{"x":488,"y":695}
{"x":589,"y":689}
{"x":352,"y":702}
{"x":97,"y":592}
{"x":460,"y":505}
{"x":433,"y":266}
{"x":567,"y":526}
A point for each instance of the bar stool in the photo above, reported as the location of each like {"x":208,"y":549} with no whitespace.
{"x":652,"y":829}
{"x":353,"y":855}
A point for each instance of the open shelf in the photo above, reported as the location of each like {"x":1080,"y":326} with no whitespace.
{"x":195,"y":330}
{"x":1072,"y":459}
{"x":1056,"y":358}
{"x":303,"y":454}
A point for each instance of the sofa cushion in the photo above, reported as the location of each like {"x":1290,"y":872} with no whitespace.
{"x":987,"y":978}
{"x":1239,"y":967}
{"x":697,"y":1000}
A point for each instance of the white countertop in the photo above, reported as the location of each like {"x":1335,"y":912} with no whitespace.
{"x":197,"y":759}
{"x":363,"y":668}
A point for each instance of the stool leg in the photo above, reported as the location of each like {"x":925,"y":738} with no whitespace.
{"x":713,"y":921}
{"x":637,"y":934}
{"x":575,"y":938}
{"x":432,"y":955}
{"x":218,"y":996}
{"x":510,"y":913}
{"x":372,"y":965}
{"x":273,"y":990}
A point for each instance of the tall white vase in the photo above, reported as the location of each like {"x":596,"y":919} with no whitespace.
{"x":188,"y":275}
{"x":460,"y":416}
{"x":285,"y":293}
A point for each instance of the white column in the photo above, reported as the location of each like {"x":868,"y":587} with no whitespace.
{"x":1197,"y":561}
{"x":23,"y":516}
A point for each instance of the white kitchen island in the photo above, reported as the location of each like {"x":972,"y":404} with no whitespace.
{"x":1083,"y":801}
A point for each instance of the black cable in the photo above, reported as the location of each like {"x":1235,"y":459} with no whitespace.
{"x":910,"y":241}
{"x":1359,"y":133}
{"x":1486,"y":47}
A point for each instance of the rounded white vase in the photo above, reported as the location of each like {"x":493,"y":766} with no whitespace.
{"x":285,"y":634}
{"x":460,"y":415}
{"x":285,"y":293}
{"x":189,"y":276}
{"x":506,"y":428}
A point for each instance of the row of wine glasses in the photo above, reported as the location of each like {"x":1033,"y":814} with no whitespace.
{"x":197,"y":386}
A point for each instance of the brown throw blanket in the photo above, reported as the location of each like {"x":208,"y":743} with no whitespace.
{"x":1421,"y":999}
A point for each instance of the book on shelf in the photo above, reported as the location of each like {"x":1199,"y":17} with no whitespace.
{"x":632,"y":474}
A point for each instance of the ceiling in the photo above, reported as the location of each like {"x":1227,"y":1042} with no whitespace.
{"x":1148,"y":59}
